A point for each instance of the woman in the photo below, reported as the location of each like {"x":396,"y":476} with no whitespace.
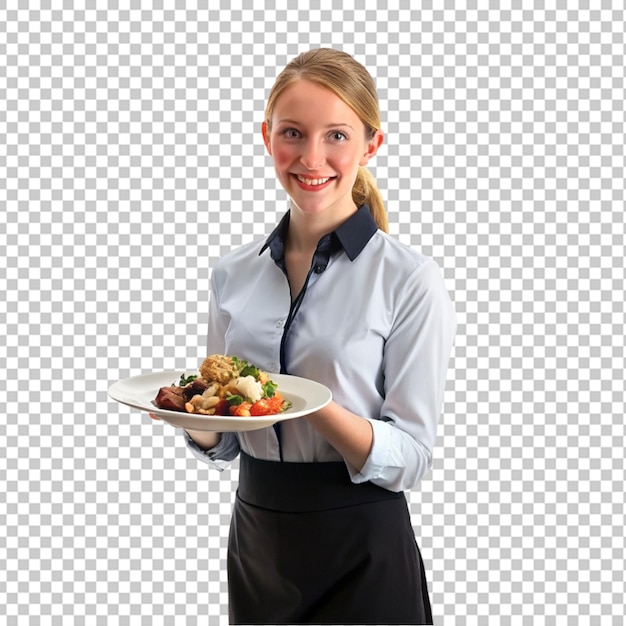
{"x":321,"y":531}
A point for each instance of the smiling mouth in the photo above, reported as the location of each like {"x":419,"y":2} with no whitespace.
{"x":313,"y":182}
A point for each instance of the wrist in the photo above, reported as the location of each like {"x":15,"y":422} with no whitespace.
{"x":204,"y":439}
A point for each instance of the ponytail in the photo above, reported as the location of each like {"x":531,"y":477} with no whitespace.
{"x":365,"y":191}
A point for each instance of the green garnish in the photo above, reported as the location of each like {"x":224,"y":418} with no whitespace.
{"x":250,"y":370}
{"x":185,"y":380}
{"x":234,"y":400}
{"x":245,"y":369}
{"x":269,"y":389}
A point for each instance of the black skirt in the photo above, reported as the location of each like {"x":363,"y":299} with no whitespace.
{"x":308,"y":546}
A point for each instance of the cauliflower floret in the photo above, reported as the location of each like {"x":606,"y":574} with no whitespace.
{"x":249,"y":387}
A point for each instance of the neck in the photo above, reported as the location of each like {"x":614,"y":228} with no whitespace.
{"x":305,"y":230}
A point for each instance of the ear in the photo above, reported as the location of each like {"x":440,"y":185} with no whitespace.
{"x":372,"y":147}
{"x":266,"y":137}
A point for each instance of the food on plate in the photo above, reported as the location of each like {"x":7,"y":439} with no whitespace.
{"x":171,"y":398}
{"x":224,"y":385}
{"x":219,"y":368}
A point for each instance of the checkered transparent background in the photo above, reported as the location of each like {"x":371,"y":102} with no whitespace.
{"x":131,"y":160}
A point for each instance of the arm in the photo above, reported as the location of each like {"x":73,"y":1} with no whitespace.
{"x":394,"y":450}
{"x":204,"y":440}
{"x":351,"y":435}
{"x":210,"y":447}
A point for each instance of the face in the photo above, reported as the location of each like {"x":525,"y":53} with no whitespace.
{"x":317,"y":143}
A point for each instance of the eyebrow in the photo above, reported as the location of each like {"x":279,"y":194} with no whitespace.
{"x":290,"y":121}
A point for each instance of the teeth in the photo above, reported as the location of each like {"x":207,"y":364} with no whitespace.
{"x":313,"y":181}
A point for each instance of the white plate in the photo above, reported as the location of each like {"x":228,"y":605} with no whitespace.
{"x":306,"y":396}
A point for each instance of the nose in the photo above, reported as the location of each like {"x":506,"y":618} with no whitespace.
{"x":313,"y":156}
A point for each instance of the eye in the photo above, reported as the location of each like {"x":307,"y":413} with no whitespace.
{"x":290,"y":133}
{"x":337,"y":135}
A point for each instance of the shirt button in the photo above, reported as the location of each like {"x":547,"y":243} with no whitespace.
{"x":280,"y":323}
{"x":319,"y":269}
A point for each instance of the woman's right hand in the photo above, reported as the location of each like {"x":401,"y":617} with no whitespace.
{"x":204,"y":439}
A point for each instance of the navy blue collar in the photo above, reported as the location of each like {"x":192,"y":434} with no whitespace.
{"x":351,"y":236}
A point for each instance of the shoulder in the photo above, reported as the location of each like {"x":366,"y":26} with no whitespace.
{"x":238,"y":265}
{"x":242,"y":256}
{"x":403,"y":270}
{"x":387,"y":249}
{"x":415,"y":282}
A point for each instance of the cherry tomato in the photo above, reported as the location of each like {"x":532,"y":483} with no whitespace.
{"x":241,"y":410}
{"x":267,"y":406}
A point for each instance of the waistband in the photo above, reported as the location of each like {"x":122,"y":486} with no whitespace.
{"x":302,"y":487}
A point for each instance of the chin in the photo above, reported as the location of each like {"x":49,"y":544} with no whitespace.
{"x":310,"y":208}
{"x":315,"y":206}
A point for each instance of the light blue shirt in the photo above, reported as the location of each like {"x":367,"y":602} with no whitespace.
{"x":374,"y":323}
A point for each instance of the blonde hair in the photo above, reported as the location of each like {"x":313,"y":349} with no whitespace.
{"x":349,"y":80}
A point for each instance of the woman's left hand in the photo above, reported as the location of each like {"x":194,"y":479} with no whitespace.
{"x":351,"y":435}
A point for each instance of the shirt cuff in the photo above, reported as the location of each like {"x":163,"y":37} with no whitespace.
{"x":218,"y":457}
{"x":378,"y":458}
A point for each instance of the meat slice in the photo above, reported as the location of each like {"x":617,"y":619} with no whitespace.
{"x":171,"y":399}
{"x":195,"y":388}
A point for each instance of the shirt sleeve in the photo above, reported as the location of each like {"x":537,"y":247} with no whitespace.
{"x":415,"y":364}
{"x":221,"y":455}
{"x":216,"y":334}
